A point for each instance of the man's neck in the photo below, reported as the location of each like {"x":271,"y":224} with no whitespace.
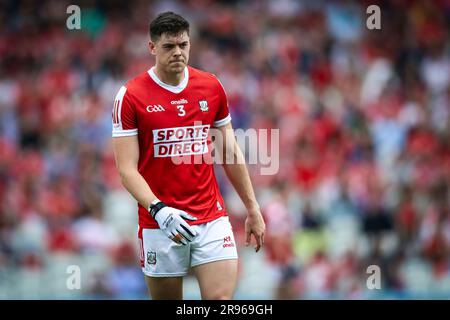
{"x":172,"y":79}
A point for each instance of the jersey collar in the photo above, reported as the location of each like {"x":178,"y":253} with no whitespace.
{"x":174,"y":89}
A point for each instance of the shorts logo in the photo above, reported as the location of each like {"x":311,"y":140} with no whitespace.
{"x":227,"y":242}
{"x":219,"y":207}
{"x":151,"y":257}
{"x":203,"y":105}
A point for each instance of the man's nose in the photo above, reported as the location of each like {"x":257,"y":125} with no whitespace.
{"x":177,"y":51}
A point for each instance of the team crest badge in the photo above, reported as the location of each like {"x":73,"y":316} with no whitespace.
{"x":203,"y":105}
{"x":151,"y":257}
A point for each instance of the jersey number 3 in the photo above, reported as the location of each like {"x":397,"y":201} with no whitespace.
{"x":181,"y":111}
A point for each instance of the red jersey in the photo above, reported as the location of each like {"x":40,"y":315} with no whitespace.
{"x":172,"y":124}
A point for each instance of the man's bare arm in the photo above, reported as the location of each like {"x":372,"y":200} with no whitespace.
{"x":237,"y":173}
{"x":126,"y":153}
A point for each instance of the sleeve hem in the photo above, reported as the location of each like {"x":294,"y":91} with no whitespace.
{"x":124,"y":133}
{"x":223,"y":122}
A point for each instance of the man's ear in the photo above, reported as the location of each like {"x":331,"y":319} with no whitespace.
{"x":152,"y":47}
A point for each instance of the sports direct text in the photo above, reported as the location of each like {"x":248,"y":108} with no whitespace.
{"x":190,"y":144}
{"x":179,"y":141}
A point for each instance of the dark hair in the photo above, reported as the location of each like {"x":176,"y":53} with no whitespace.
{"x":167,"y":22}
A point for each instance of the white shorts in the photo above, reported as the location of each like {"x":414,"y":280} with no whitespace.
{"x":163,"y":257}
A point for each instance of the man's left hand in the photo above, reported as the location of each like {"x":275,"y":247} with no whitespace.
{"x":254,"y":224}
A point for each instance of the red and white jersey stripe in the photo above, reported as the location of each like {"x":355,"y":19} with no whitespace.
{"x":119,"y":130}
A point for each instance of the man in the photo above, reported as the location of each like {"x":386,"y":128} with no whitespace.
{"x":163,"y":115}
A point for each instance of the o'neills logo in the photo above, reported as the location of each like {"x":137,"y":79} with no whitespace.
{"x":227,"y":242}
{"x":180,"y":141}
{"x":181,"y":101}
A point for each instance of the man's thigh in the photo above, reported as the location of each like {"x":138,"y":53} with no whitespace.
{"x":167,"y":288}
{"x":217,"y":280}
{"x":164,"y":263}
{"x":214,"y":259}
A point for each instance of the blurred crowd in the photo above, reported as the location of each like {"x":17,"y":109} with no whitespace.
{"x":364,"y":120}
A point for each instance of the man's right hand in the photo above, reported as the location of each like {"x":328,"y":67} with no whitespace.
{"x":172,"y":222}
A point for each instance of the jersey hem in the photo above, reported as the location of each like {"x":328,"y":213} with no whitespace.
{"x":154,"y":224}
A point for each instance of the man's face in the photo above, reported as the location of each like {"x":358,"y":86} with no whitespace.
{"x":171,"y":51}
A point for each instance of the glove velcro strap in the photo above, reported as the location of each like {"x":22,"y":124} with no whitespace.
{"x":154,"y":208}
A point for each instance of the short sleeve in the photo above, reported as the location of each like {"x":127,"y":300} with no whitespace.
{"x":123,"y":115}
{"x":223,"y":116}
